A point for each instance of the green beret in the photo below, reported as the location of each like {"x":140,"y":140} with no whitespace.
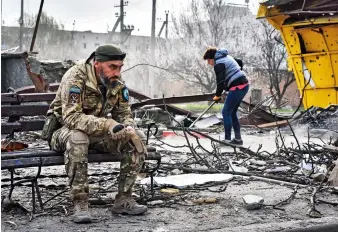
{"x":109,"y":52}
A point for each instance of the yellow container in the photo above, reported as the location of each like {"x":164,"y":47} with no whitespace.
{"x":311,"y":40}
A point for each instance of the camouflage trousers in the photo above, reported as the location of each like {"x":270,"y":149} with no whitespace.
{"x":75,"y":145}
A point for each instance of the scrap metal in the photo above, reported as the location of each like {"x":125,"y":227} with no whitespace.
{"x":25,"y":95}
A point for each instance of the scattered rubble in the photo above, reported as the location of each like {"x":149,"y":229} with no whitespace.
{"x":253,"y":202}
{"x":157,"y":202}
{"x":186,"y":180}
{"x":198,"y":169}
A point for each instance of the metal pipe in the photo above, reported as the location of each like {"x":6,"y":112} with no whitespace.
{"x":206,"y":110}
{"x":36,"y":26}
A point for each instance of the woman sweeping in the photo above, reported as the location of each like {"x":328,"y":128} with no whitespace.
{"x":231,"y":78}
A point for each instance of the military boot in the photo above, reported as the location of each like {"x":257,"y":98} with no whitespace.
{"x":126,"y":204}
{"x":81,"y":213}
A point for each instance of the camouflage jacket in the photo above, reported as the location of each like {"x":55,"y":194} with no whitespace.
{"x":79,"y":103}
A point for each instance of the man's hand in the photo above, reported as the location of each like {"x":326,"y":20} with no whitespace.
{"x":130,"y":128}
{"x":120,"y":133}
{"x":216,"y":99}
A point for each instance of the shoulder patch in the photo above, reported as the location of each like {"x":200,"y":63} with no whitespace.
{"x":74,"y":94}
{"x":125,"y":94}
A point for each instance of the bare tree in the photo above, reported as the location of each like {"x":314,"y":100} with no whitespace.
{"x":273,"y":57}
{"x":196,"y":29}
{"x":206,"y":23}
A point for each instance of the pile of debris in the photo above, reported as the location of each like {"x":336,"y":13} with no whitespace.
{"x":320,"y":118}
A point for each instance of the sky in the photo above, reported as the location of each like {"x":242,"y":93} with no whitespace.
{"x":97,"y":16}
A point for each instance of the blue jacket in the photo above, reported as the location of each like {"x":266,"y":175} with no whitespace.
{"x":227,"y":71}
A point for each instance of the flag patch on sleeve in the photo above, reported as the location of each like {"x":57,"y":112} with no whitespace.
{"x":125,"y":94}
{"x":74,"y":94}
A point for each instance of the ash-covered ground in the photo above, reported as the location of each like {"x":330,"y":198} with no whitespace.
{"x":176,"y":211}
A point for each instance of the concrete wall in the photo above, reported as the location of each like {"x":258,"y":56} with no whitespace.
{"x":13,"y":73}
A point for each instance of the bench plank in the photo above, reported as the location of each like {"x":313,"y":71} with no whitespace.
{"x":33,"y":125}
{"x":35,"y":152}
{"x":58,"y":159}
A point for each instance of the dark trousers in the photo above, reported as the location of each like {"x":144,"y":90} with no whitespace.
{"x":229,"y":112}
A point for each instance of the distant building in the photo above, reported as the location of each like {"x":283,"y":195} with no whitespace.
{"x":72,"y":45}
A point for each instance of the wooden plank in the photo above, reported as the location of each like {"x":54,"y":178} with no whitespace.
{"x":273,"y":124}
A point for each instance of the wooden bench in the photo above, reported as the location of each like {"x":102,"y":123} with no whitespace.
{"x":14,"y":107}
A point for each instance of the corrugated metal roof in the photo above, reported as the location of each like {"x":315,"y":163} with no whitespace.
{"x":277,"y":2}
{"x":301,"y":9}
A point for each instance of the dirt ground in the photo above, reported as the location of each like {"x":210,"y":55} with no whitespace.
{"x":176,"y":212}
{"x":227,"y":214}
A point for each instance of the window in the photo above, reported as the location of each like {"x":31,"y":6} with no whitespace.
{"x":97,"y":37}
{"x":84,"y":45}
{"x":97,"y":44}
{"x":83,"y":36}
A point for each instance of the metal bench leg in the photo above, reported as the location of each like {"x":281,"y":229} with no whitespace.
{"x":12,"y":185}
{"x":38,"y":195}
{"x":33,"y":194}
{"x":36,"y":185}
{"x":152,"y":184}
{"x":36,"y":190}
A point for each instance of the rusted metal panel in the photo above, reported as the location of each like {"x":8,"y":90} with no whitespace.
{"x":26,"y":97}
{"x":32,"y":110}
{"x":173,"y":100}
{"x":204,"y":97}
{"x":55,"y":86}
{"x":23,"y":110}
{"x":31,"y":88}
{"x":8,"y":98}
{"x":31,"y":97}
{"x":18,"y":55}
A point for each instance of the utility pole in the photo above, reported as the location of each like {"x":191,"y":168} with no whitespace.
{"x":1,"y":15}
{"x":165,"y":23}
{"x":152,"y":55}
{"x":73,"y":31}
{"x":121,"y":19}
{"x":21,"y":26}
{"x":153,"y":22}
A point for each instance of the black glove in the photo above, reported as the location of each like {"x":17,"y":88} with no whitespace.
{"x":117,"y":128}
